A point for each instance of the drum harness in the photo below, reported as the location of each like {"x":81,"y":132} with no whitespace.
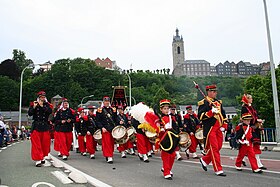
{"x":108,"y":116}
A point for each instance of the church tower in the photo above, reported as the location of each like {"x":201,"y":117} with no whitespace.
{"x":178,"y":49}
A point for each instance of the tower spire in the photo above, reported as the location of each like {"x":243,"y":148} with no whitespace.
{"x":177,"y":32}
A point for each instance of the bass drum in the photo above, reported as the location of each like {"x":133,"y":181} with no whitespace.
{"x":119,"y":133}
{"x":151,"y":136}
{"x":98,"y":136}
{"x":199,"y":135}
{"x":185,"y":140}
{"x":131,"y":134}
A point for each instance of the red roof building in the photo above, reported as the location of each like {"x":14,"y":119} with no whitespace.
{"x":105,"y":63}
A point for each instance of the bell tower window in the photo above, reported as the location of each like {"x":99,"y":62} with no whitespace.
{"x":178,"y":50}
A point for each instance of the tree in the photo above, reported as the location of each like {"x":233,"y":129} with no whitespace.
{"x":20,"y":59}
{"x":167,"y":71}
{"x":10,"y":69}
{"x":160,"y":94}
{"x":261,"y":90}
{"x":9,"y":94}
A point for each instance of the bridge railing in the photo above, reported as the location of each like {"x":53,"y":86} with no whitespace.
{"x":268,"y":135}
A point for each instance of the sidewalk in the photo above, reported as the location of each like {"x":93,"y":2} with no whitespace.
{"x":266,"y":146}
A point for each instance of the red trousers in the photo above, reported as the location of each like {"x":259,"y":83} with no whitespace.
{"x":127,"y":145}
{"x":194,"y":144}
{"x":40,"y":145}
{"x":214,"y":145}
{"x":65,"y":141}
{"x":81,"y":143}
{"x":56,"y":141}
{"x":257,"y":149}
{"x":142,"y":144}
{"x":107,"y":144}
{"x":246,"y":150}
{"x":167,"y":161}
{"x":150,"y":145}
{"x":88,"y":146}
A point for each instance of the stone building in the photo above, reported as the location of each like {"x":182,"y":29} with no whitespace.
{"x":186,"y":67}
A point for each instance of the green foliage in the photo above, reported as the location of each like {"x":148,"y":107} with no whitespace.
{"x":10,"y":69}
{"x":9,"y":94}
{"x":20,"y":59}
{"x":77,"y":78}
{"x":261,"y":90}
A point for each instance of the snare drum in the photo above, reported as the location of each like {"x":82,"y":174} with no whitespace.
{"x":131,"y":134}
{"x":98,"y":136}
{"x":185,"y":140}
{"x":120,"y":135}
{"x":151,"y":136}
{"x":199,"y":135}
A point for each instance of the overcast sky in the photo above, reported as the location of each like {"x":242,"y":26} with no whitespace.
{"x":139,"y":32}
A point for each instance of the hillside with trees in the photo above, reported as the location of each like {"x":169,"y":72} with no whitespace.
{"x":77,"y":78}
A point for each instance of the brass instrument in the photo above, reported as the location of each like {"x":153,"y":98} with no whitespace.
{"x":259,"y":124}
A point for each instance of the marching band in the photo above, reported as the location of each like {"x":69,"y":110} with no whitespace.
{"x":146,"y":131}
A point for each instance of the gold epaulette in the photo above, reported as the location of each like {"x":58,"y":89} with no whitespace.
{"x":99,"y":110}
{"x":201,"y":102}
{"x":221,"y":101}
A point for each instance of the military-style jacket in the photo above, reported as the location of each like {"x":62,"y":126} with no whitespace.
{"x":207,"y":117}
{"x":106,"y":117}
{"x":83,"y":124}
{"x":64,"y":115}
{"x":192,"y":123}
{"x":40,"y":116}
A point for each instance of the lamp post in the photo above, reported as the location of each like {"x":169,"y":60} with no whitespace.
{"x":20,"y":93}
{"x":84,"y":98}
{"x":273,"y":78}
{"x":129,"y":79}
{"x":133,"y":99}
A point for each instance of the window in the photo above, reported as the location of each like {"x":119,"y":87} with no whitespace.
{"x":178,"y":50}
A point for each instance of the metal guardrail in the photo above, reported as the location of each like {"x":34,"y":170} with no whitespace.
{"x":268,"y":135}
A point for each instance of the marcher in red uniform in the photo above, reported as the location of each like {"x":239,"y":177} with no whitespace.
{"x":167,"y":121}
{"x":131,"y":143}
{"x":177,"y":126}
{"x":248,"y":108}
{"x":212,"y":115}
{"x":244,"y":137}
{"x":56,"y":144}
{"x":122,"y":120}
{"x":142,"y":143}
{"x":191,"y":124}
{"x":85,"y":130}
{"x":64,"y":119}
{"x":40,"y":135}
{"x":106,"y":120}
{"x":92,"y":119}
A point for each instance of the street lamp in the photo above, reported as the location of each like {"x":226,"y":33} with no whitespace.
{"x":133,"y":99}
{"x":129,"y":90}
{"x":84,"y":98}
{"x":273,"y":78}
{"x":20,"y":93}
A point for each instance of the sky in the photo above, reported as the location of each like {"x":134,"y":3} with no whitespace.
{"x":139,"y":34}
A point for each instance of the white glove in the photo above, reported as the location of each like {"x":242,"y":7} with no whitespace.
{"x":246,"y":142}
{"x":168,"y":126}
{"x":222,"y":129}
{"x":214,"y":110}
